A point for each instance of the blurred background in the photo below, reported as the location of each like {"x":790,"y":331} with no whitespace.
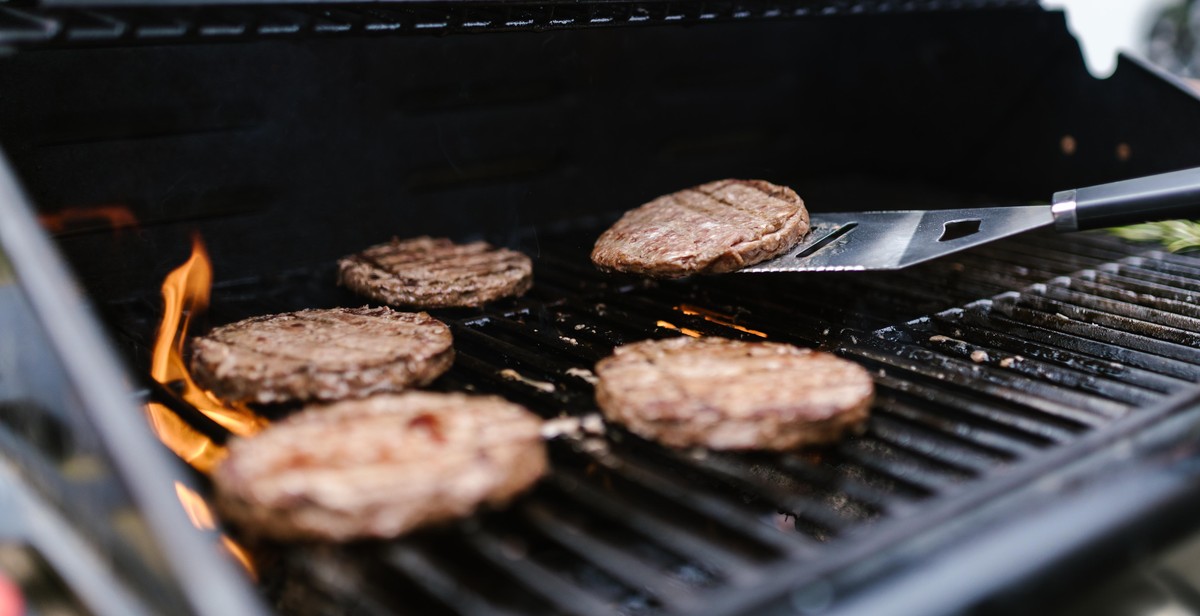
{"x":1162,"y":31}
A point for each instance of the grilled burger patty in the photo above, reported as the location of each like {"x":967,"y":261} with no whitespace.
{"x":322,"y":355}
{"x":712,"y":228}
{"x":380,"y":466}
{"x":427,"y":272}
{"x":727,"y":394}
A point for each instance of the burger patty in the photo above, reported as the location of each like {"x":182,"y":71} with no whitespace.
{"x":728,"y":394}
{"x":427,"y":272}
{"x":712,"y":228}
{"x":322,"y":355}
{"x":380,"y":466}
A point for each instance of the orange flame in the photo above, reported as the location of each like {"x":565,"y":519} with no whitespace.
{"x":194,"y":506}
{"x":201,"y":515}
{"x":115,"y":216}
{"x":193,"y":447}
{"x":719,"y":318}
{"x":185,"y":292}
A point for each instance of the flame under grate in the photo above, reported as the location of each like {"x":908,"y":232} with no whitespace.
{"x":984,"y":362}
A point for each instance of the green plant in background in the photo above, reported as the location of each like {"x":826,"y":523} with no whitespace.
{"x":1176,"y":235}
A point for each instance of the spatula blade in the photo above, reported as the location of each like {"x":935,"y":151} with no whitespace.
{"x":863,"y":241}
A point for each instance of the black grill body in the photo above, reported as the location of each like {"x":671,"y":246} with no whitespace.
{"x":1036,"y":406}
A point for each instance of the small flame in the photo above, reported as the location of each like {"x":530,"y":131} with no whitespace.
{"x":193,"y":447}
{"x":115,"y":216}
{"x":201,"y":515}
{"x":194,"y":506}
{"x":241,"y":555}
{"x":185,"y":292}
{"x":683,"y":330}
{"x":713,"y":316}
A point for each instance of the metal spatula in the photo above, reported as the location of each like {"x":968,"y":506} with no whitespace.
{"x":860,"y":241}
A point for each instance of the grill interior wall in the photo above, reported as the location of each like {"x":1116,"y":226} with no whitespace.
{"x":263,"y":140}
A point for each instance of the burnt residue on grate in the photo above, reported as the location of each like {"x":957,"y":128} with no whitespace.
{"x":983,"y":361}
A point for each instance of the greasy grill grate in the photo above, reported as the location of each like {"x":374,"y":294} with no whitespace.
{"x":1077,"y":333}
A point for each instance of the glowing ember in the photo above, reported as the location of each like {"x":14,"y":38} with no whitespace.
{"x":201,"y":515}
{"x":713,"y":316}
{"x":185,"y":292}
{"x":115,"y":216}
{"x":683,"y":330}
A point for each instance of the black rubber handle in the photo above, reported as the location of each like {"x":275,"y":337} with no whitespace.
{"x":1154,"y":197}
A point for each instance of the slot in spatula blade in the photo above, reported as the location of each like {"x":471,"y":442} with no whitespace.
{"x":861,"y":241}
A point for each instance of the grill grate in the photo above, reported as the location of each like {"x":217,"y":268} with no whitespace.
{"x":1077,"y":334}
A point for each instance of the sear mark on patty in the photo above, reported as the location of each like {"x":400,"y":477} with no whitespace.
{"x":729,"y":394}
{"x":708,"y":229}
{"x":322,"y":355}
{"x":380,"y":466}
{"x":427,"y":272}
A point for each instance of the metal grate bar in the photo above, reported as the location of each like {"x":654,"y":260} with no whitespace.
{"x":994,"y":443}
{"x":483,"y":376}
{"x":1129,"y":296}
{"x":1187,"y":263}
{"x":781,"y":322}
{"x":1023,"y":270}
{"x":1094,"y":342}
{"x":415,"y":564}
{"x":1066,"y":404}
{"x":945,"y":450}
{"x":1002,"y":416}
{"x":1094,"y":247}
{"x":546,"y":583}
{"x":654,"y":527}
{"x":1142,"y":312}
{"x":1140,"y":335}
{"x":836,"y":488}
{"x":533,"y":364}
{"x":1060,"y":375}
{"x":613,"y":560}
{"x":892,"y":461}
{"x":731,"y":515}
{"x":1021,"y":349}
{"x":1136,"y":269}
{"x":806,"y":502}
{"x":1112,"y":278}
{"x":544,"y":336}
{"x":1054,"y":256}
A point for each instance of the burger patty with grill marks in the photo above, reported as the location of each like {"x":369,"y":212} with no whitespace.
{"x":427,"y":272}
{"x":322,"y":355}
{"x":380,"y":466}
{"x":728,"y":394}
{"x":708,"y":229}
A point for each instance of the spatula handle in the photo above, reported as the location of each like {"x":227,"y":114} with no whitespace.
{"x":1146,"y":199}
